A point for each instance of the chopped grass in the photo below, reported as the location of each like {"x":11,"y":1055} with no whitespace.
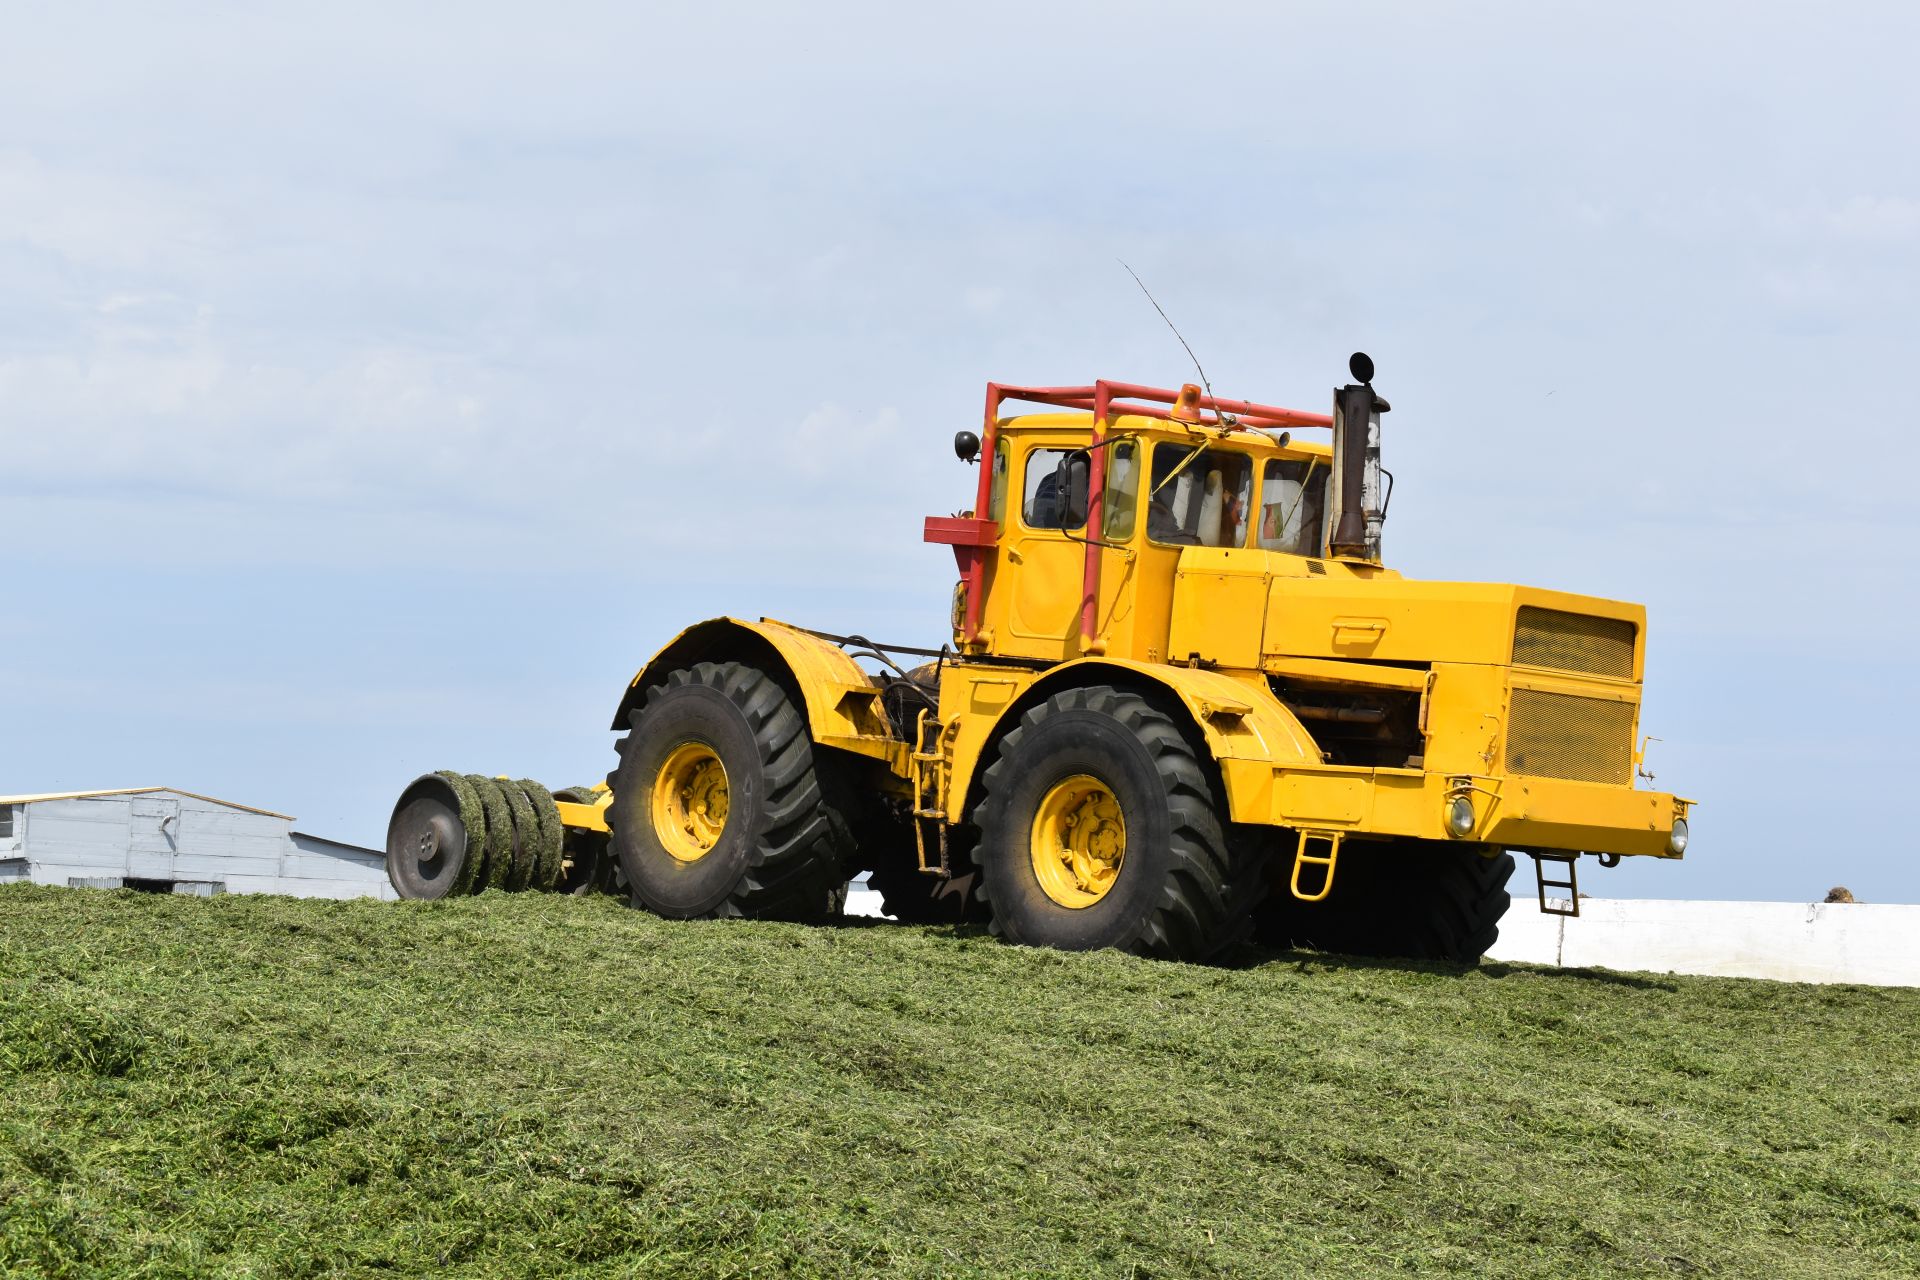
{"x":528,"y":1085}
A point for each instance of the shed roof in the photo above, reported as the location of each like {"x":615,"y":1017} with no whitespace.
{"x":136,"y":791}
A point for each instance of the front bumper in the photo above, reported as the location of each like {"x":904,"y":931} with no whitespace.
{"x":1512,"y":811}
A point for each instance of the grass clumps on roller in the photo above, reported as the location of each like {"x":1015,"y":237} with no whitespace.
{"x":524,"y":837}
{"x":275,"y":1087}
{"x":498,"y":829}
{"x":547,"y":836}
{"x":473,"y":822}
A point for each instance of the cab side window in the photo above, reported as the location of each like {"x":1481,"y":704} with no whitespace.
{"x":1293,"y":507}
{"x":1050,"y":503}
{"x":997,"y":494}
{"x":1123,"y":492}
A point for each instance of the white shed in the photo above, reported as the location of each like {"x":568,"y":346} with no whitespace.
{"x":171,"y":841}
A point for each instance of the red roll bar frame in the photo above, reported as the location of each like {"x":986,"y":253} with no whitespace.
{"x":970,"y":537}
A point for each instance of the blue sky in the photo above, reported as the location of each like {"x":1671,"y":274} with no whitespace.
{"x":380,"y":385}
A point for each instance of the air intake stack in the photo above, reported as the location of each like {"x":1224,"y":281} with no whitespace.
{"x":1358,"y":509}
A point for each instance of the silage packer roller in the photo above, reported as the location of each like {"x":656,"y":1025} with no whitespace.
{"x":455,"y":834}
{"x":1184,"y":702}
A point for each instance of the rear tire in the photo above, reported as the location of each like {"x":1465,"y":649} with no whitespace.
{"x":1413,"y":900}
{"x":1088,"y":772}
{"x":750,"y":833}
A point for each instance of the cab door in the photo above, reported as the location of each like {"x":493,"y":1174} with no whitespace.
{"x":1044,"y":554}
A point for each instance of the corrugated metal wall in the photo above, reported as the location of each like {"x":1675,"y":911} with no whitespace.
{"x":194,"y":845}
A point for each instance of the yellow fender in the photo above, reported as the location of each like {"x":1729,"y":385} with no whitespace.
{"x":842,"y":702}
{"x":1246,"y":729}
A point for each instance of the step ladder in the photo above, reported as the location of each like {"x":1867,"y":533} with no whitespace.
{"x":1327,"y":861}
{"x":929,"y":771}
{"x":1571,"y":884}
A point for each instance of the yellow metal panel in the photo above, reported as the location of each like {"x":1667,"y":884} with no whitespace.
{"x":1219,"y":606}
{"x":585,"y":817}
{"x":1390,"y":621}
{"x":1465,"y":713}
{"x":1364,"y":675}
{"x":842,"y":701}
{"x":1313,"y":799}
{"x":1393,"y":620}
{"x":1551,"y":814}
{"x":1239,"y":719}
{"x":1520,"y":813}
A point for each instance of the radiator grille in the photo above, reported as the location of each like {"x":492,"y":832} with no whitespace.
{"x":1574,"y":642}
{"x":1562,"y":735}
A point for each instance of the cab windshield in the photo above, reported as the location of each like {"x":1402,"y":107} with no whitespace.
{"x":1199,"y":497}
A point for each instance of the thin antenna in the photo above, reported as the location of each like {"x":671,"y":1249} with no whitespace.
{"x":1224,"y":417}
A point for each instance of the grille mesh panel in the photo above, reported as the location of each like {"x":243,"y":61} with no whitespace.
{"x":1574,"y":642}
{"x":1562,"y":735}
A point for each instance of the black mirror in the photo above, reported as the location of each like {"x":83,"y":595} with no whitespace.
{"x":966,"y":446}
{"x":1070,"y":488}
{"x":1360,"y":364}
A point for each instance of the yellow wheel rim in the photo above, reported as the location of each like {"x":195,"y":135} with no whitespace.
{"x":1078,"y":842}
{"x":690,"y":801}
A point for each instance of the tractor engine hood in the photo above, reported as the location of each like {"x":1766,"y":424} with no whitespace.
{"x":1306,"y":609}
{"x":1428,"y":622}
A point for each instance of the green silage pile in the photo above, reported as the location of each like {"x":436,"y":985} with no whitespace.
{"x":536,"y":1085}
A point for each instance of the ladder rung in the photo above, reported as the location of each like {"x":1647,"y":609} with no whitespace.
{"x":1550,"y":906}
{"x":1301,"y":858}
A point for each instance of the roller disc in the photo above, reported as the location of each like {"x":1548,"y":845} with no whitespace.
{"x":499,"y":831}
{"x":526,"y":835}
{"x":427,"y":840}
{"x":473,"y":819}
{"x":547,"y":837}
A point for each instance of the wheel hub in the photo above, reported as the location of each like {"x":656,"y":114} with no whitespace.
{"x":1078,"y":841}
{"x":690,"y":801}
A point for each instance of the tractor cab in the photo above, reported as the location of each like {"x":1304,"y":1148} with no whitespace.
{"x":1088,"y":523}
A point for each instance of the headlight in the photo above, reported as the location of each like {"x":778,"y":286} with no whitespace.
{"x":1460,"y":816}
{"x":1677,"y":842}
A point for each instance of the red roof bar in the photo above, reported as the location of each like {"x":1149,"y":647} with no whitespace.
{"x":1162,"y":404}
{"x":1104,"y":400}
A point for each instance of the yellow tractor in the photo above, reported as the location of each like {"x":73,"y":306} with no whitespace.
{"x":1184,"y":701}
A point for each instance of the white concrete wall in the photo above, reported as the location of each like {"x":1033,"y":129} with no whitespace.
{"x":1871,"y":944}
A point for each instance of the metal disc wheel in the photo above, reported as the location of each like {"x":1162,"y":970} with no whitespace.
{"x":1078,"y":841}
{"x":690,"y":801}
{"x":427,"y":853}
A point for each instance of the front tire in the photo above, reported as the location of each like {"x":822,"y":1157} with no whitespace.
{"x":717,"y":808}
{"x":1101,"y":828}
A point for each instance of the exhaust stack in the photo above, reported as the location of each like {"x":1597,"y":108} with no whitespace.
{"x":1358,"y":511}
